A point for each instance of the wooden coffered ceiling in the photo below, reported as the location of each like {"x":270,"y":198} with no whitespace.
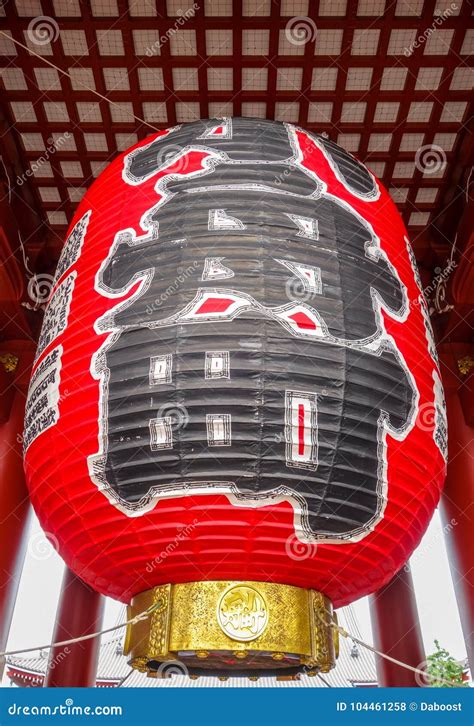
{"x":390,"y":80}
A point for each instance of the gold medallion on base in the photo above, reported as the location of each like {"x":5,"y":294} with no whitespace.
{"x":226,"y":628}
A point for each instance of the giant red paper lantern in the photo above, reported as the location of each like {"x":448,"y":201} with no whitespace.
{"x":236,"y":412}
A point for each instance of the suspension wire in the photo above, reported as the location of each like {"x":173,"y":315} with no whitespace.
{"x":328,"y":685}
{"x":419,"y":671}
{"x":125,"y":678}
{"x":68,"y":75}
{"x":146,"y":613}
{"x":141,"y":616}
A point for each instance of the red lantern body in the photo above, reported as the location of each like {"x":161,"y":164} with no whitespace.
{"x":236,"y":378}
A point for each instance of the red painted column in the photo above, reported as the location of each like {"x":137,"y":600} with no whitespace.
{"x":79,"y":613}
{"x":396,"y":630}
{"x":457,"y":501}
{"x":14,"y":512}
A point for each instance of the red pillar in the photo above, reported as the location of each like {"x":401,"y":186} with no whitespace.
{"x":79,"y":613}
{"x":396,"y":630}
{"x":14,"y":512}
{"x":457,"y":501}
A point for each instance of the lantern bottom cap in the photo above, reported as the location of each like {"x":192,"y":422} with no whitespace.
{"x":231,"y":628}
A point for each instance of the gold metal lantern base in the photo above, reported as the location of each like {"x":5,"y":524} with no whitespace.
{"x":227,"y":628}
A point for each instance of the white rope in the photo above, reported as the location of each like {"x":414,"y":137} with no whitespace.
{"x":141,"y":616}
{"x":328,"y":685}
{"x":25,"y":256}
{"x":468,"y":183}
{"x":68,"y":75}
{"x":8,"y":180}
{"x":125,"y":678}
{"x":400,"y":663}
{"x":146,"y":614}
{"x":453,"y":246}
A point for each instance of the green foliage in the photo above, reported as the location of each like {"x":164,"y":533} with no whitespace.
{"x":441,"y":667}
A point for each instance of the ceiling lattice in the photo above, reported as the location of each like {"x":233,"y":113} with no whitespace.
{"x":391,"y":81}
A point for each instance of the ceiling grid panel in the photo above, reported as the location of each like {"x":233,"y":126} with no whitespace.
{"x":384,"y":77}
